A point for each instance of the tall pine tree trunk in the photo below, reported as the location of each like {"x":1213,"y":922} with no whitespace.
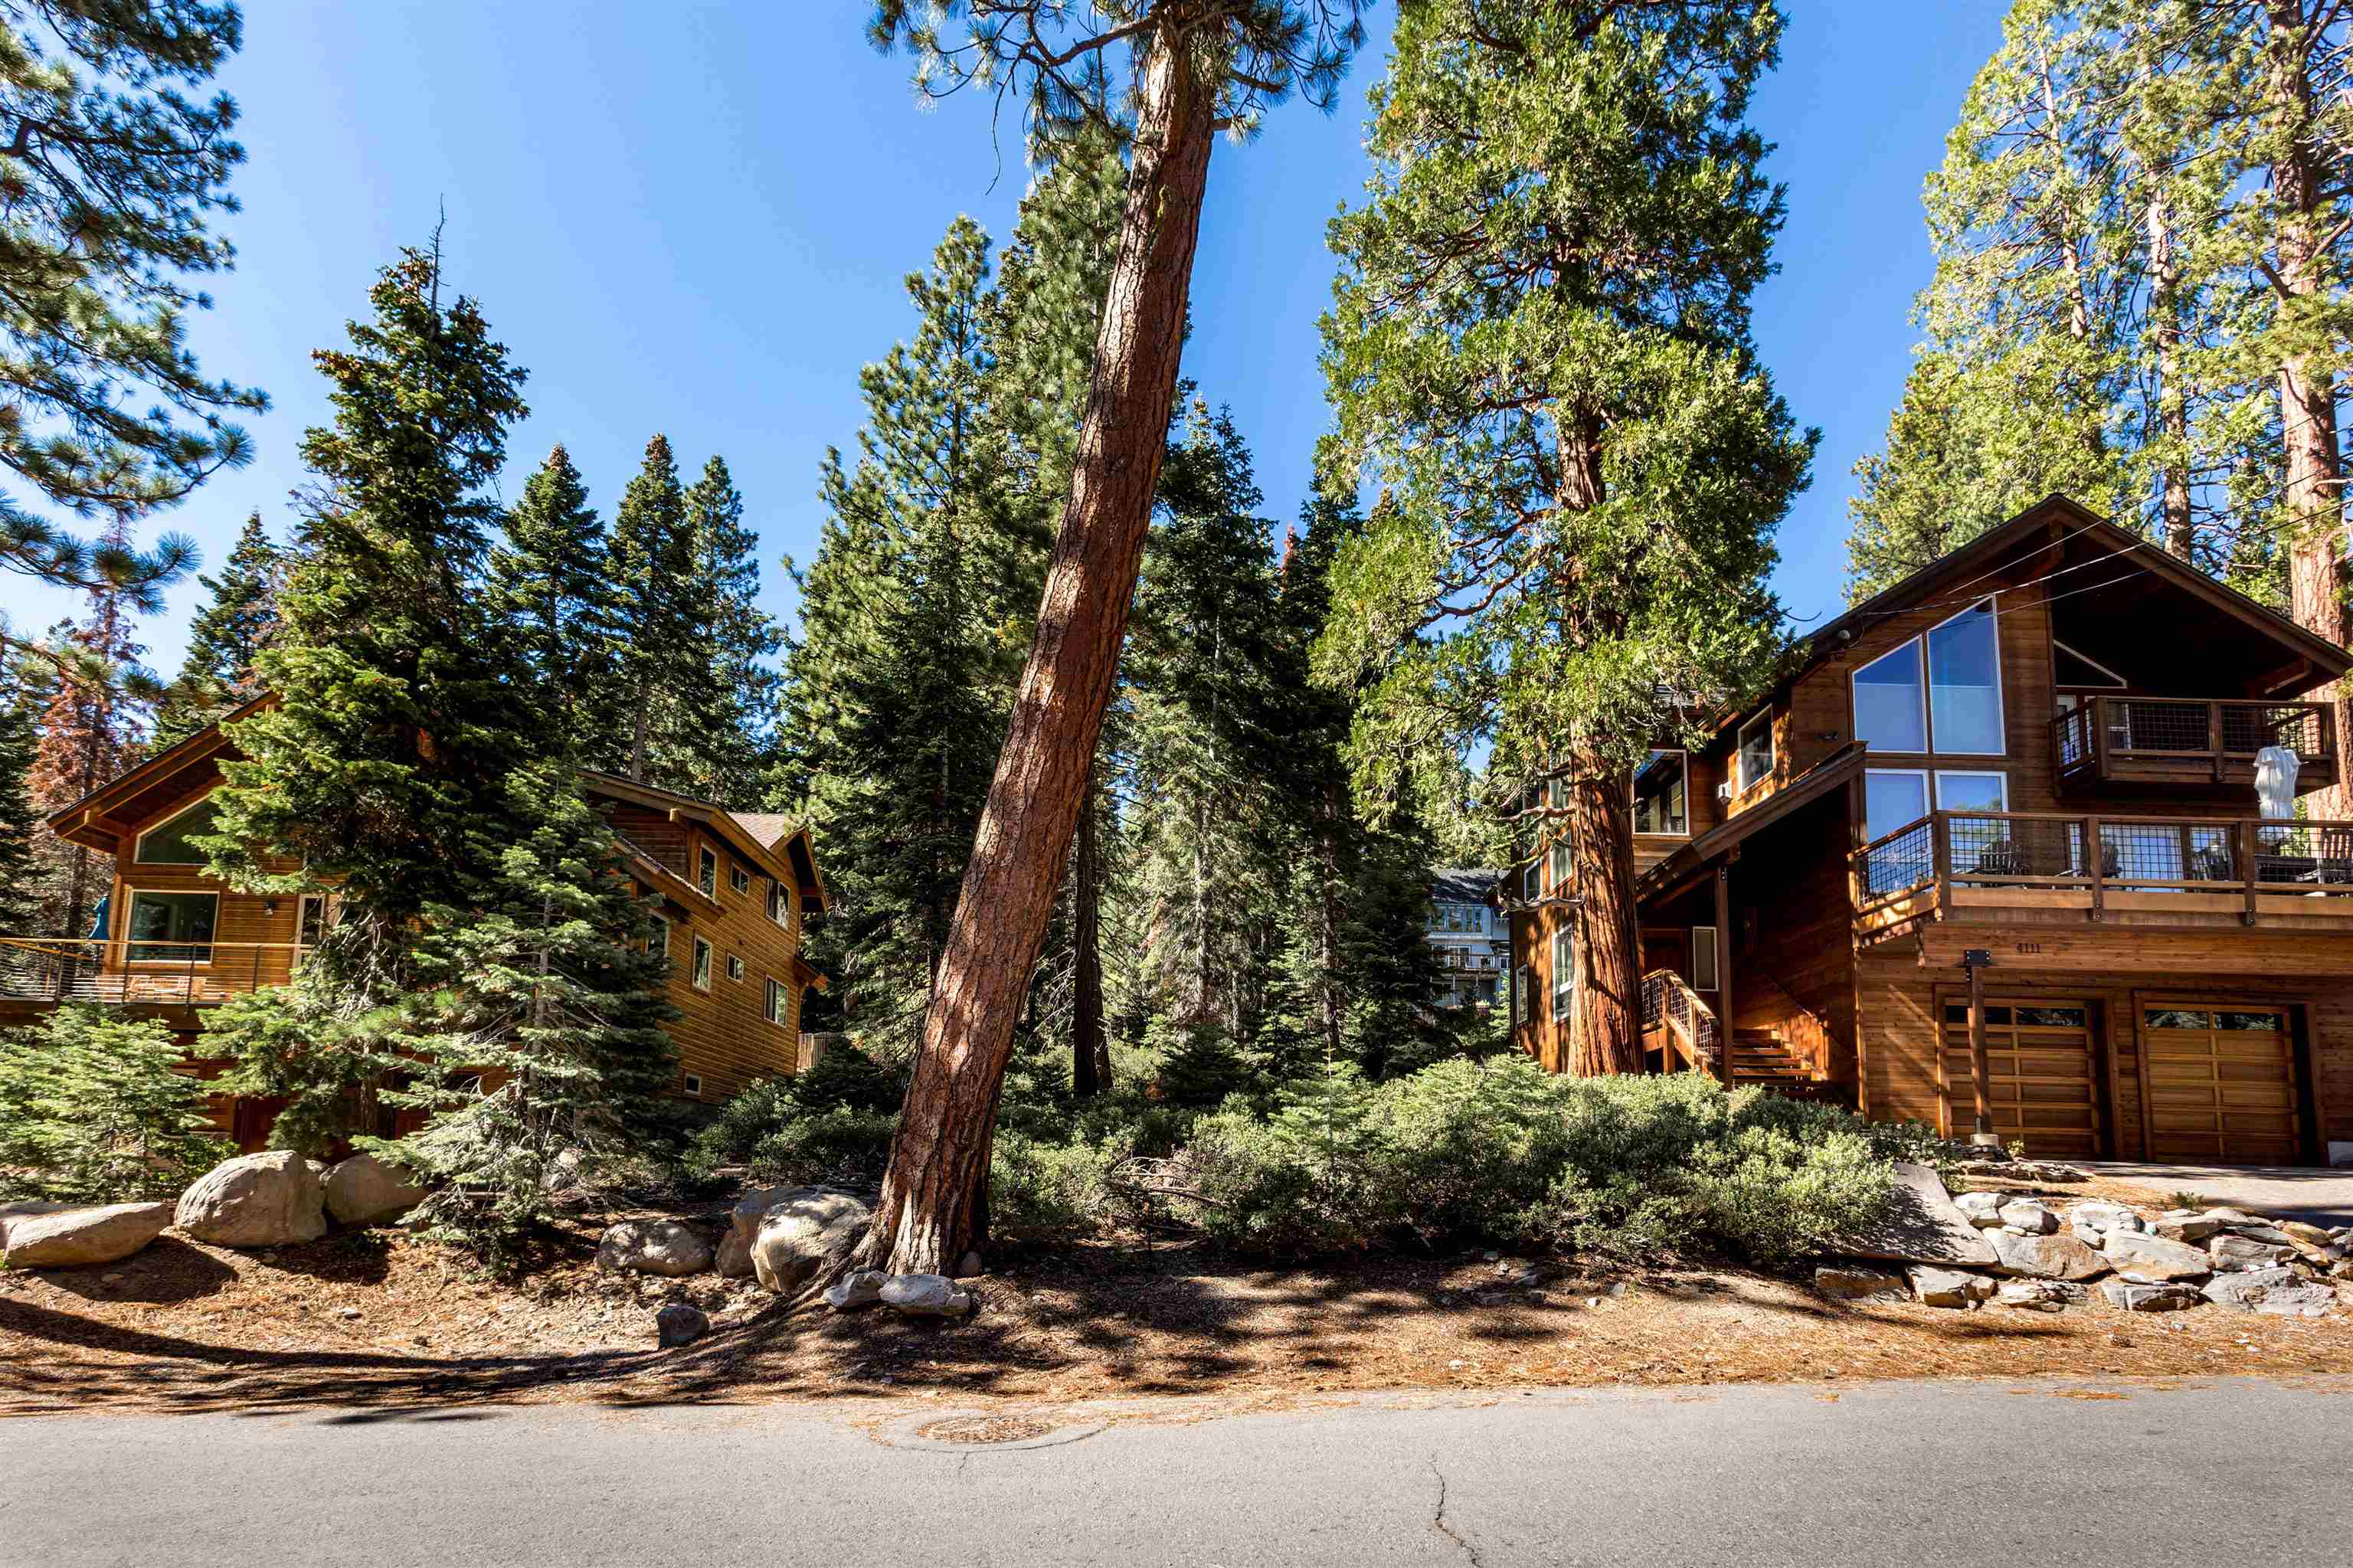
{"x":1088,"y":1046}
{"x":1606,"y":1013}
{"x":2173,"y":398}
{"x":2307,"y":391}
{"x":933,"y":1204}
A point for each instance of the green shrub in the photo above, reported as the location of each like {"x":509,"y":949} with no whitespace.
{"x":832,"y":1117}
{"x":1632,"y":1166}
{"x":92,"y":1109}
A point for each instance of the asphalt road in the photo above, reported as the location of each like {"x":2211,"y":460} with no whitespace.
{"x":1993,"y":1473}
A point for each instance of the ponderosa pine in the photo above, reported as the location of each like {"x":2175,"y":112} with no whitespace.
{"x":1539,"y":345}
{"x":117,"y":164}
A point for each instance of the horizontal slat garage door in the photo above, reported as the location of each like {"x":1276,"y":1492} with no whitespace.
{"x":2221,"y":1083}
{"x":2038,"y":1075}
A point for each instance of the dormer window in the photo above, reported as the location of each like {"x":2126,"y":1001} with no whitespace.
{"x":171,"y":841}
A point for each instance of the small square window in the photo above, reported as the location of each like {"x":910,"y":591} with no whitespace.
{"x":702,"y":964}
{"x":706,"y":874}
{"x":738,"y":879}
{"x":734,"y":967}
{"x":692,"y":1083}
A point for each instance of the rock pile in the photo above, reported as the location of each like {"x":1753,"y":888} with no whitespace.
{"x":2020,"y":1253}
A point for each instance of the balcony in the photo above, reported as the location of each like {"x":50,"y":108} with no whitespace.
{"x":2187,"y":744}
{"x":2198,"y":869}
{"x":43,"y":971}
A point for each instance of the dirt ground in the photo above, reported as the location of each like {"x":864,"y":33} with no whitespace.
{"x":377,"y":1319}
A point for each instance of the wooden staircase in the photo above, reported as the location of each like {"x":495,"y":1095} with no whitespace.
{"x":1761,"y":1059}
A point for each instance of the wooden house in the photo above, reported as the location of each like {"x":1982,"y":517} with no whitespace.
{"x":1996,"y":844}
{"x":735,"y":887}
{"x":1468,"y":937}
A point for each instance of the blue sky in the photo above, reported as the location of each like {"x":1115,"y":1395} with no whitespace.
{"x":695,"y":219}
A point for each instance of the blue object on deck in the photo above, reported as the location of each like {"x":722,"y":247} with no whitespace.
{"x":98,"y":921}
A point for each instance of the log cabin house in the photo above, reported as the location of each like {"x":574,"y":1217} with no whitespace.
{"x":1995,"y":847}
{"x":171,"y":940}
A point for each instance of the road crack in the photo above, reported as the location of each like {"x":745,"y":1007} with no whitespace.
{"x":1438,"y":1518}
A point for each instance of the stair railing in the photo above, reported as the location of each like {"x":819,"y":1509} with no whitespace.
{"x":1686,"y":1023}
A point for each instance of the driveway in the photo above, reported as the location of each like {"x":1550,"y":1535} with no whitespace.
{"x":2306,"y":1193}
{"x":2005,"y":1471}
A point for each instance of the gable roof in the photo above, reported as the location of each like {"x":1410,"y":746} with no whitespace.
{"x":2052,"y":519}
{"x":776,"y":843}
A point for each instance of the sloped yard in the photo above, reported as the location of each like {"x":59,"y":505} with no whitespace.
{"x":373,"y":1319}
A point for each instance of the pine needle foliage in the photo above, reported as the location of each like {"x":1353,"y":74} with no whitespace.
{"x":219,"y":671}
{"x":93,"y":1109}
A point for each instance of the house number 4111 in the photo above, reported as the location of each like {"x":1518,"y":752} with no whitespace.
{"x":2030,"y":946}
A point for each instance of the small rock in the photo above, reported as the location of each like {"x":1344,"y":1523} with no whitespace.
{"x":2134,"y":1296}
{"x":2297,"y":1301}
{"x":2046,"y":1256}
{"x":924,"y":1296}
{"x":653,"y":1246}
{"x":2102,"y":1218}
{"x":1948,"y":1286}
{"x":1617,"y":1289}
{"x":681,"y":1324}
{"x":2039,"y":1295}
{"x":347,"y":1312}
{"x":2229,"y":1251}
{"x":2311,"y":1236}
{"x":2155,"y":1259}
{"x":1983,"y":1209}
{"x":2181,"y":1226}
{"x":863,"y":1288}
{"x":2245,"y":1289}
{"x":2030,"y":1216}
{"x":971,"y":1266}
{"x":732,"y":1259}
{"x":1858,"y":1282}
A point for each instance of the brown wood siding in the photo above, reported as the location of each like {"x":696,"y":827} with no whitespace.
{"x":724,"y":1036}
{"x":1793,"y":944}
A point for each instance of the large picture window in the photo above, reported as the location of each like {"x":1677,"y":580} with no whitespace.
{"x":1965,"y":684}
{"x":171,"y":841}
{"x":172,"y":927}
{"x":1663,"y":795}
{"x":1892,"y":797}
{"x":1940,"y":691}
{"x":1889,"y":714}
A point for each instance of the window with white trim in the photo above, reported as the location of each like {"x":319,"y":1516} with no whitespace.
{"x":779,"y":1002}
{"x":1523,"y":986}
{"x":1563,"y":973}
{"x":706,"y":872}
{"x":734,"y":967}
{"x":780,"y":905}
{"x":691,"y":1083}
{"x":1757,"y":750}
{"x":701,"y":974}
{"x":737,"y":877}
{"x":1703,"y":960}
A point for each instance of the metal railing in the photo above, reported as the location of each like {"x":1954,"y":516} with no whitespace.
{"x":1670,"y":1005}
{"x":145,"y":973}
{"x":2031,"y":850}
{"x":2101,"y":732}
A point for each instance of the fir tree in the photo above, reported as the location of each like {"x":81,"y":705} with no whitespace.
{"x":97,"y":1112}
{"x":118,"y":163}
{"x":20,"y":822}
{"x":737,"y":691}
{"x":225,"y":640}
{"x":403,"y":707}
{"x":541,"y":1028}
{"x":1539,"y":343}
{"x":548,"y":582}
{"x":659,"y":655}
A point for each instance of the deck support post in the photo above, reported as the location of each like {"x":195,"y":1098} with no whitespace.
{"x":1724,"y":975}
{"x":1975,"y":960}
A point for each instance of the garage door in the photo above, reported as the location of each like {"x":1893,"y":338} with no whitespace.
{"x":2221,"y":1083}
{"x":2038,"y":1075}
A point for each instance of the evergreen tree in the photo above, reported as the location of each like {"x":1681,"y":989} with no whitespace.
{"x":1539,"y":343}
{"x":541,"y":1031}
{"x":548,"y":582}
{"x":225,"y":640}
{"x":737,"y":691}
{"x":117,"y":164}
{"x":93,"y":1109}
{"x":893,"y":704}
{"x":657,"y":653}
{"x":404,"y":704}
{"x":94,"y":726}
{"x":21,"y":904}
